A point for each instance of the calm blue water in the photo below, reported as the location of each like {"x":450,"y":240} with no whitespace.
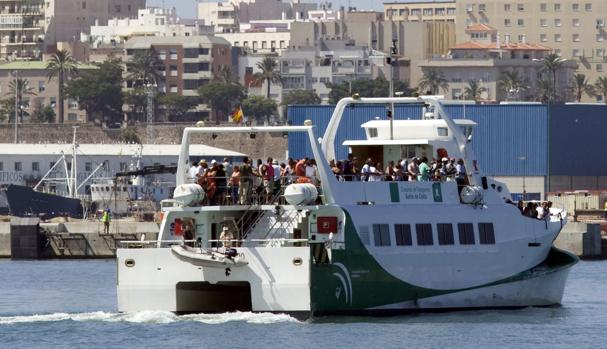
{"x":72,"y":304}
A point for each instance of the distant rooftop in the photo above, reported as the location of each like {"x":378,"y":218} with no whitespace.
{"x":143,"y":42}
{"x":475,"y":45}
{"x":419,"y":2}
{"x":480,"y":27}
{"x":37,"y":65}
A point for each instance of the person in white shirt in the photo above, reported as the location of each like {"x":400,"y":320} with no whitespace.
{"x":193,"y":170}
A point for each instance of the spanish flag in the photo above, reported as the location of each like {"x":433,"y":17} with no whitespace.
{"x":237,"y":115}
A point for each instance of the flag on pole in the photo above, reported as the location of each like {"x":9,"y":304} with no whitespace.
{"x":237,"y":115}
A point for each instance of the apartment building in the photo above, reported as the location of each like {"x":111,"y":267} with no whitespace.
{"x":484,"y":57}
{"x":421,"y":10}
{"x":188,"y":62}
{"x":22,"y":28}
{"x":43,"y":92}
{"x":573,"y":29}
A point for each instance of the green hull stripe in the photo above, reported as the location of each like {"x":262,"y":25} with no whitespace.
{"x":355,"y":280}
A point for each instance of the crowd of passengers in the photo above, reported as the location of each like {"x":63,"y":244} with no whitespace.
{"x":261,"y":182}
{"x":246,"y":183}
{"x":414,"y":169}
{"x":537,"y":210}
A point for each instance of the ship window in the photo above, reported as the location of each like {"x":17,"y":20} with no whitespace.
{"x":466,"y":233}
{"x":1,"y":166}
{"x":372,"y":132}
{"x":486,"y":236}
{"x":403,"y":234}
{"x":35,"y":166}
{"x":364,"y":234}
{"x":381,"y":234}
{"x":424,"y":234}
{"x":445,"y":234}
{"x":17,"y":166}
{"x":442,"y":131}
{"x":88,"y":167}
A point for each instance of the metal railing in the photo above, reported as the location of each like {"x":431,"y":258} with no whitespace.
{"x":126,"y":244}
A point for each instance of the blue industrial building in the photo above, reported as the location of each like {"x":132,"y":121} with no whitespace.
{"x":553,"y":148}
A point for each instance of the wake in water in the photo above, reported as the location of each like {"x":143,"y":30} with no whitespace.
{"x":153,"y":317}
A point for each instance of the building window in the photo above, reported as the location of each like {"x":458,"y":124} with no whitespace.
{"x":41,"y":86}
{"x":543,"y":37}
{"x":521,"y":38}
{"x":575,"y":52}
{"x":557,"y":51}
{"x":466,"y":233}
{"x":520,"y":22}
{"x":428,"y":12}
{"x":117,"y":8}
{"x":203,"y":51}
{"x":445,"y":234}
{"x":123,"y":166}
{"x":88,"y":166}
{"x":588,"y":7}
{"x":282,"y":44}
{"x":264,"y":45}
{"x":576,"y":37}
{"x":575,"y":7}
{"x":557,"y":7}
{"x":599,"y":68}
{"x":600,"y":38}
{"x":451,"y":11}
{"x":173,"y":53}
{"x":174,"y":71}
{"x":84,"y":5}
{"x":557,"y":22}
{"x":403,"y":235}
{"x":424,"y":234}
{"x":575,"y":22}
{"x":162,"y":54}
{"x":507,"y":7}
{"x":17,"y":166}
{"x":173,"y":89}
{"x":520,"y":7}
{"x":557,"y":37}
{"x":486,"y":236}
{"x":543,"y":7}
{"x":35,"y":166}
{"x":507,"y":22}
{"x":381,"y":234}
{"x":600,"y":52}
{"x":72,"y":117}
{"x":543,"y":22}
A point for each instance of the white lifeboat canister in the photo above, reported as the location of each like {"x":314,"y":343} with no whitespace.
{"x":301,"y":194}
{"x":186,"y":194}
{"x":471,"y":195}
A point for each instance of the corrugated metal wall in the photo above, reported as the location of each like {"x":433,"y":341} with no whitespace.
{"x":578,"y":140}
{"x":503,"y":135}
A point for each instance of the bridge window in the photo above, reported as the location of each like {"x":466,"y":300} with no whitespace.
{"x":445,"y":234}
{"x":466,"y":233}
{"x":424,"y":234}
{"x":486,"y":235}
{"x":364,"y":234}
{"x":403,"y":235}
{"x":372,"y":132}
{"x":381,"y":234}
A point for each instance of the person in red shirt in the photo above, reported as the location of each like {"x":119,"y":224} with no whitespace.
{"x":300,"y":167}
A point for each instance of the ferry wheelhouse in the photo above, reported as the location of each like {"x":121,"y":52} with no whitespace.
{"x":351,"y":246}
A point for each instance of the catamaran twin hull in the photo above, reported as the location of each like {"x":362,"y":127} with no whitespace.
{"x":354,"y":277}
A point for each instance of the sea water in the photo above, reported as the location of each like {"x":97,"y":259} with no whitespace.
{"x":72,"y":304}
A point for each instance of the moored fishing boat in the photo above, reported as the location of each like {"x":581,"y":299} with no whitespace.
{"x":348,"y":246}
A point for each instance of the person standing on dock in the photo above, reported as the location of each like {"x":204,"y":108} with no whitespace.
{"x":106,"y":218}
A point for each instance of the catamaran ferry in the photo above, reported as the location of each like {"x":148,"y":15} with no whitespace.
{"x":332,"y":246}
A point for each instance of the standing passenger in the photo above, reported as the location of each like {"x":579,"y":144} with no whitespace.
{"x":106,"y":218}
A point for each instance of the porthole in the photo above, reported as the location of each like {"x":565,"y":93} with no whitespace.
{"x":129,"y":263}
{"x":297,"y":261}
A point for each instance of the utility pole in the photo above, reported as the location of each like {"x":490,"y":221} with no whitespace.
{"x":391,"y":60}
{"x":16,"y":105}
{"x":150,"y":112}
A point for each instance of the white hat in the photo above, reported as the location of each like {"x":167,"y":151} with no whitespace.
{"x":213,"y":162}
{"x":444,"y":159}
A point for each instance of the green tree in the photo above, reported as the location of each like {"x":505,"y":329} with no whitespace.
{"x":378,"y":87}
{"x":270,"y":73}
{"x":221,"y":97}
{"x":474,"y":90}
{"x":144,"y":67}
{"x":7,"y":109}
{"x":43,"y":114}
{"x":600,"y":87}
{"x":175,"y":106}
{"x":129,"y":135}
{"x":136,"y":99}
{"x":259,"y":108}
{"x":543,"y":90}
{"x":432,"y":81}
{"x":99,"y":91}
{"x":551,"y":64}
{"x":300,"y":97}
{"x":21,"y":87}
{"x":580,"y":85}
{"x":63,"y":66}
{"x":512,"y":84}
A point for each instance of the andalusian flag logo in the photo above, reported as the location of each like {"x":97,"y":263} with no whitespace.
{"x":237,"y":115}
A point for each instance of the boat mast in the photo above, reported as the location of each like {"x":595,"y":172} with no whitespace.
{"x":73,"y":178}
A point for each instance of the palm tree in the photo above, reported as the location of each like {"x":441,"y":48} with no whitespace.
{"x":22,"y":88}
{"x":551,"y":65}
{"x":61,"y":65}
{"x":269,"y":73}
{"x":512,"y":83}
{"x":474,"y":90}
{"x":144,"y":67}
{"x":432,"y":81}
{"x":226,"y":75}
{"x":600,"y":87}
{"x":543,"y":89}
{"x":581,"y":85}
